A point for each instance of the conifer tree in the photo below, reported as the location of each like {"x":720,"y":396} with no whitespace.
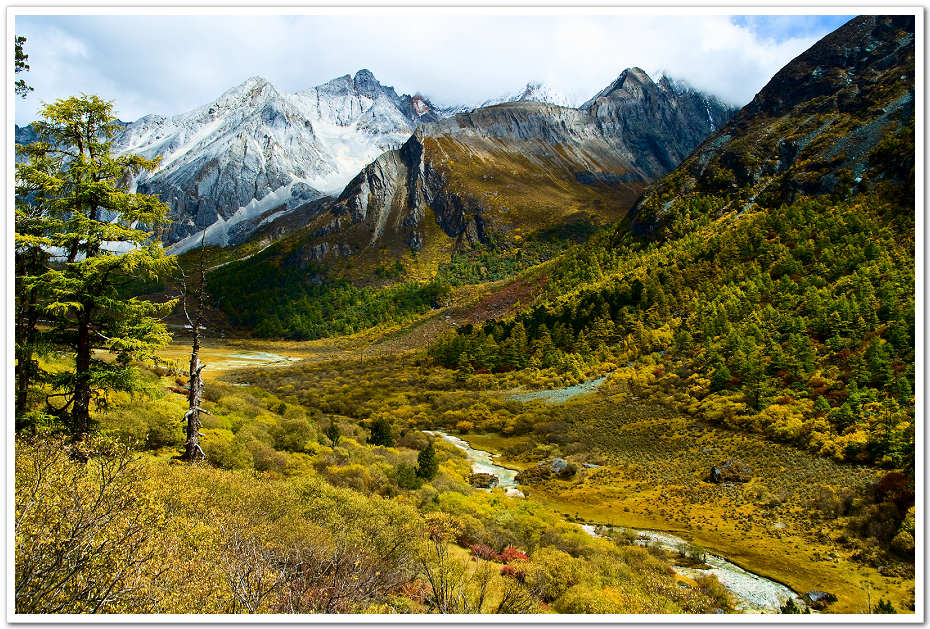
{"x":381,"y":434}
{"x":332,"y":433}
{"x":101,"y":240}
{"x":427,"y":465}
{"x":19,"y":65}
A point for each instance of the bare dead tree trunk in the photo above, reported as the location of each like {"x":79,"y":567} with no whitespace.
{"x":192,"y":449}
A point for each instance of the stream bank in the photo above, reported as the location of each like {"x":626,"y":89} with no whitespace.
{"x":754,"y":593}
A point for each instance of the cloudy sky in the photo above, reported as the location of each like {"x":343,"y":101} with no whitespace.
{"x":169,"y":64}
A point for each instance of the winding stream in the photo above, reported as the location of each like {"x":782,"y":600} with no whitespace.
{"x":558,"y":396}
{"x":482,"y":463}
{"x":753,"y":593}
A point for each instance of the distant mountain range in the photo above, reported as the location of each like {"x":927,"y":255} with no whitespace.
{"x":517,"y":167}
{"x":255,"y":155}
{"x":533,"y":92}
{"x":255,"y":147}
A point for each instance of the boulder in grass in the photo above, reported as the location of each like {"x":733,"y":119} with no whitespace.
{"x":815,"y":599}
{"x":560,"y":468}
{"x":732,"y":471}
{"x":556,"y":467}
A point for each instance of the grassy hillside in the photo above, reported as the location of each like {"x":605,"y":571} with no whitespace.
{"x":287,"y":518}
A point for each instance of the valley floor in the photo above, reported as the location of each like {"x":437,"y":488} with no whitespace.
{"x":652,"y":463}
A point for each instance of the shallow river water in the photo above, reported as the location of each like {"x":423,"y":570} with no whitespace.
{"x":481,"y":462}
{"x":249,"y":358}
{"x":558,"y":396}
{"x":753,"y":593}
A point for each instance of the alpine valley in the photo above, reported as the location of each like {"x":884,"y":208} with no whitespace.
{"x":648,"y":353}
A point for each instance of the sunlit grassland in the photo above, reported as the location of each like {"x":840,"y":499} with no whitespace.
{"x":653,"y":474}
{"x":655,"y":477}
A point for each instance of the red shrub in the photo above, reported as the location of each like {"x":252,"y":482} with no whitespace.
{"x":512,"y":554}
{"x":483,"y":551}
{"x":510,"y":571}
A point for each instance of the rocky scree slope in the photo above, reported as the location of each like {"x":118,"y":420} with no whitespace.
{"x":498,"y":173}
{"x":838,"y":119}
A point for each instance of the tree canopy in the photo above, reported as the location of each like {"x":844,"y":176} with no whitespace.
{"x":80,"y":236}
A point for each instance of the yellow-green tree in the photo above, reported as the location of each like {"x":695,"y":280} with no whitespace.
{"x":102,"y":241}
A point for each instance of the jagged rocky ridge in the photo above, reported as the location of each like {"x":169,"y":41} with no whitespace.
{"x":256,"y":154}
{"x":826,"y":123}
{"x":258,"y":161}
{"x":255,"y":151}
{"x":518,"y":166}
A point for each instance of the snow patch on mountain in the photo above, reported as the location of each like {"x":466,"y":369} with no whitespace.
{"x":254,"y":141}
{"x":534,"y":91}
{"x":219,"y":232}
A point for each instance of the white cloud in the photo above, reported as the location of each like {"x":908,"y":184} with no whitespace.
{"x":168,"y":64}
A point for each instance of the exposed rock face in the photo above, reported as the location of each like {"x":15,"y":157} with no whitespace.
{"x":816,"y":128}
{"x":660,"y":122}
{"x":521,"y":165}
{"x":254,"y":150}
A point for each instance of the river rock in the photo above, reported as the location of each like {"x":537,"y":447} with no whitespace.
{"x":556,"y":467}
{"x":815,"y":599}
{"x":482,"y":480}
{"x":732,"y":471}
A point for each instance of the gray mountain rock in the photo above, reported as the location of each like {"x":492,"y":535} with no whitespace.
{"x":255,"y":152}
{"x":661,"y":122}
{"x":632,"y":132}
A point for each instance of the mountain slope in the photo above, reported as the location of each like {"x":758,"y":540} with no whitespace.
{"x":664,"y":121}
{"x":774,"y":291}
{"x":501,"y":172}
{"x":825,"y":124}
{"x":253,"y":151}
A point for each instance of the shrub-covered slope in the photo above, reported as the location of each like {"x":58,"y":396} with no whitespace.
{"x":776,"y":300}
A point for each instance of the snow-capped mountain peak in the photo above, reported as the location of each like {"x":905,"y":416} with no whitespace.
{"x":226,"y":161}
{"x":535,"y":91}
